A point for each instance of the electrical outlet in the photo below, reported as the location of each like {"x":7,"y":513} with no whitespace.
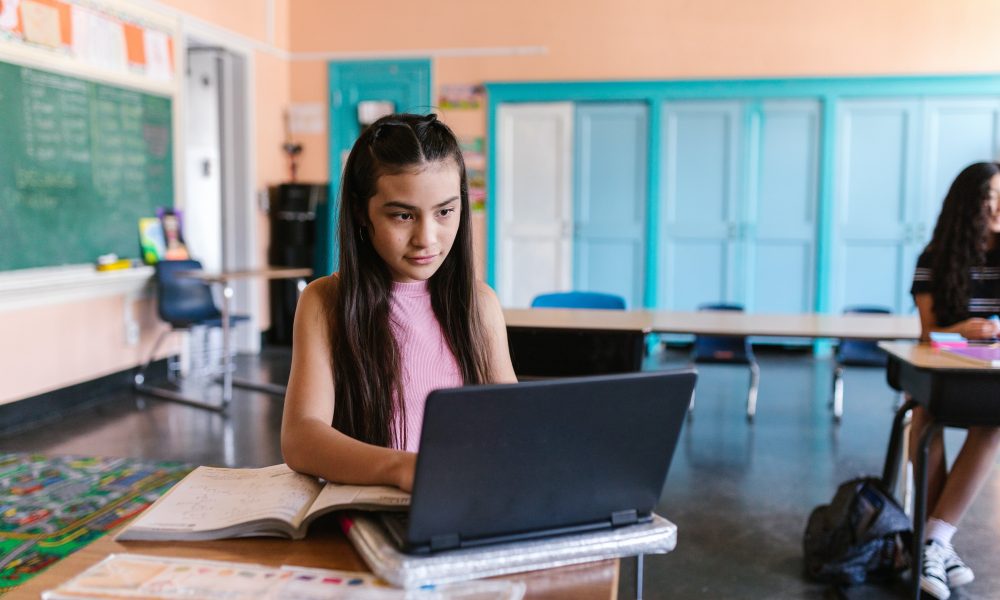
{"x":132,"y":333}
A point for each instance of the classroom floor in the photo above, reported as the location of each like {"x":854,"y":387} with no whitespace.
{"x":739,"y":493}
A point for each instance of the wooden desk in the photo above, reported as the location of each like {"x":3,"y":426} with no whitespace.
{"x":324,"y":548}
{"x":955,"y":393}
{"x":225,"y":279}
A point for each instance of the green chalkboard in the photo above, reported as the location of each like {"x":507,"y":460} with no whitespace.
{"x":80,"y":163}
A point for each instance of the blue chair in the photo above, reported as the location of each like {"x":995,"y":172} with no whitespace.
{"x":183,"y":303}
{"x":730,"y":350}
{"x":579,"y":300}
{"x":855,"y":353}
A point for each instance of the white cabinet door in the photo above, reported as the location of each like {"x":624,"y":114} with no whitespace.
{"x":535,"y":199}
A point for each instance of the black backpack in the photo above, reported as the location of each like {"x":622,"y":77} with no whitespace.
{"x":862,"y":535}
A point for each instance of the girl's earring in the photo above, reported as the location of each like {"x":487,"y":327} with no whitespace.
{"x":361,"y":234}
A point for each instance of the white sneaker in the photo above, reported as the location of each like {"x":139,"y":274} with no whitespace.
{"x":958,"y":572}
{"x":933,"y":576}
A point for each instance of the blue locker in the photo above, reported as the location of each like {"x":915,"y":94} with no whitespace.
{"x":779,"y":251}
{"x":700,"y":215}
{"x":609,"y":208}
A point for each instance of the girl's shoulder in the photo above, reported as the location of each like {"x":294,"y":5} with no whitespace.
{"x":322,"y":289}
{"x":485,"y":294}
{"x":319,"y":295}
{"x":489,"y":304}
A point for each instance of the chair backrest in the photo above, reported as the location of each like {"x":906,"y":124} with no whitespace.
{"x":579,"y":300}
{"x":862,"y":352}
{"x":183,"y":301}
{"x":711,"y":348}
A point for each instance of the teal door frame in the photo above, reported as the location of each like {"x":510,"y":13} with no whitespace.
{"x":827,"y":90}
{"x":405,"y":81}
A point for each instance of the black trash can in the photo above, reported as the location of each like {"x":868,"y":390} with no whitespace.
{"x":293,"y":244}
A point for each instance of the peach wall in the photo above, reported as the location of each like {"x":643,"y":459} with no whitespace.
{"x":245,"y":17}
{"x":646,"y":39}
{"x":62,"y":344}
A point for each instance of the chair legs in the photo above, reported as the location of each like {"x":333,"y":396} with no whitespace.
{"x":140,"y":385}
{"x":752,"y":392}
{"x":837,"y":400}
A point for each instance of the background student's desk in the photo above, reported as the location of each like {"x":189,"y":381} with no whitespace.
{"x":325,"y":547}
{"x":225,"y":279}
{"x":955,"y":393}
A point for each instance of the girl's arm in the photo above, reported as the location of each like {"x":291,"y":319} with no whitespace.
{"x":309,"y":442}
{"x":496,"y":329}
{"x":971,"y":329}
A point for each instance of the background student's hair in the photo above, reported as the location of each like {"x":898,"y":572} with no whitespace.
{"x":369,"y":400}
{"x":960,"y":239}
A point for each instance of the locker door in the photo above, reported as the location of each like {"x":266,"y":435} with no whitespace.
{"x":875,"y":197}
{"x":781,"y":206}
{"x":610,"y":199}
{"x":700,"y":173}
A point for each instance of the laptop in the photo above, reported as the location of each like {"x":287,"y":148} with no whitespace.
{"x":499,"y":463}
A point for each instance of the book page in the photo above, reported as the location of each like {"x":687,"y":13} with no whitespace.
{"x":213,"y":498}
{"x":360,"y":496}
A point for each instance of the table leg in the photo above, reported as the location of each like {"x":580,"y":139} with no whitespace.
{"x":638,"y":577}
{"x":227,"y":374}
{"x":892,"y":457}
{"x":920,"y":504}
{"x":275,"y":389}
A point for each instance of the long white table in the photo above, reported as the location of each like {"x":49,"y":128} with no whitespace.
{"x":723,"y":323}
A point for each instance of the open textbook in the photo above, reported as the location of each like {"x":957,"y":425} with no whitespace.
{"x":214,"y":503}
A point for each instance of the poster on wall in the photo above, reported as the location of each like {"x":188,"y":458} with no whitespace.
{"x":91,"y":34}
{"x":475,"y":170}
{"x":8,"y":15}
{"x":461,"y":96}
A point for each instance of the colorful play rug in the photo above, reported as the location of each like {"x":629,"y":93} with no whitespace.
{"x":51,"y":506}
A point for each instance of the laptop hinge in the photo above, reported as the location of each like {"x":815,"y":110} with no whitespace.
{"x":624,"y":517}
{"x":444,"y":542}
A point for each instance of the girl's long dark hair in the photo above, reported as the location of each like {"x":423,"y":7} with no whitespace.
{"x":960,"y":240}
{"x":366,"y":360}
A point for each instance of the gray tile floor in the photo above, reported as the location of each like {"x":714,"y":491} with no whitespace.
{"x":739,"y":493}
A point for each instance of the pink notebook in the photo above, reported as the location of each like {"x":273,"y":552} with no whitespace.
{"x":985,"y":356}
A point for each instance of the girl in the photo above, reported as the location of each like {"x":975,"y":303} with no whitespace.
{"x":956,"y":288}
{"x":403,"y":316}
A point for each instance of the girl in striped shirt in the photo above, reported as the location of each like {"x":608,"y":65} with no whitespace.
{"x":956,"y":288}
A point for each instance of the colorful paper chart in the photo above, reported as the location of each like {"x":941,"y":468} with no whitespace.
{"x":107,"y":39}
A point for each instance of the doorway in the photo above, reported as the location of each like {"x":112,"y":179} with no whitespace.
{"x":359,"y":92}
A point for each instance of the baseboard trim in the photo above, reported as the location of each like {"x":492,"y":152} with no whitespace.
{"x":36,"y":411}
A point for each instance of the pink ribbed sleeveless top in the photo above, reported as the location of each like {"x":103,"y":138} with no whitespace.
{"x":426,"y":361}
